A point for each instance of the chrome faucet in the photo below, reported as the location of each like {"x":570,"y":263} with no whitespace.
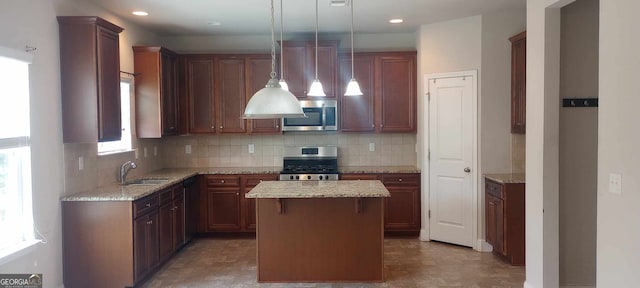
{"x":124,"y":170}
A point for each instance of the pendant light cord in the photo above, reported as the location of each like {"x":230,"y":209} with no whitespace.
{"x":281,"y":44}
{"x":353,"y":73}
{"x":273,"y":43}
{"x":316,"y":39}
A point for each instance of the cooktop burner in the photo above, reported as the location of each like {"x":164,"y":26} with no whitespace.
{"x":310,"y":163}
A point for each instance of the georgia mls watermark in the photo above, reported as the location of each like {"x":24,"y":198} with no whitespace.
{"x":20,"y":280}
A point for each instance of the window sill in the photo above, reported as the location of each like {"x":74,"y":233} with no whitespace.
{"x":18,"y":250}
{"x":115,"y":152}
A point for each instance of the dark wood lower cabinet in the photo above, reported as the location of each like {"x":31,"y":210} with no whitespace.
{"x":223,"y":209}
{"x":402,"y":209}
{"x":121,"y":243}
{"x":505,"y":220}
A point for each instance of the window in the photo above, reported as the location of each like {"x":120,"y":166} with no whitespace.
{"x":16,"y":213}
{"x":124,"y":144}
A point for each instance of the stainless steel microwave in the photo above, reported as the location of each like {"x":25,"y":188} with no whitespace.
{"x":322,"y":115}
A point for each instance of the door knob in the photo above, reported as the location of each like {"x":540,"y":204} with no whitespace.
{"x":467,"y":169}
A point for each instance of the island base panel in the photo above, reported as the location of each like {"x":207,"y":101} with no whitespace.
{"x":320,"y":240}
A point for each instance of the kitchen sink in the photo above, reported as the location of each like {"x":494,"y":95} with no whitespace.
{"x":148,"y":181}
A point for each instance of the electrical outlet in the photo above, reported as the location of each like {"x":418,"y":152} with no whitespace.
{"x":155,"y":150}
{"x":615,"y":183}
{"x":252,"y":148}
{"x":372,"y":147}
{"x":137,"y":153}
{"x":80,"y":163}
{"x":187,"y":149}
{"x":145,"y":152}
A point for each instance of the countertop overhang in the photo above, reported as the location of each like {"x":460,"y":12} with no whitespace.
{"x":319,"y":189}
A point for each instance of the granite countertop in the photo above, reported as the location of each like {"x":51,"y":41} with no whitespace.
{"x":507,"y":178}
{"x":319,"y":189}
{"x":117,"y":192}
{"x":378,"y":169}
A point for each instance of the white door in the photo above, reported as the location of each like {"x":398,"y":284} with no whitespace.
{"x":451,"y":160}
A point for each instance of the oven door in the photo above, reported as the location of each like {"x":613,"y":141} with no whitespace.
{"x":321,"y":116}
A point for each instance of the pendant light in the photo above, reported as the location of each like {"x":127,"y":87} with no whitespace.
{"x":353,"y":88}
{"x":272,"y":101}
{"x":283,"y":84}
{"x":316,"y":87}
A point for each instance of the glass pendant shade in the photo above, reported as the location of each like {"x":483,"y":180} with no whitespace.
{"x":316,"y":89}
{"x":273,"y":102}
{"x":353,"y":88}
{"x":284,"y":85}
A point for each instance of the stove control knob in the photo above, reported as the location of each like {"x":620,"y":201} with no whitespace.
{"x":291,"y":177}
{"x":326,"y":177}
{"x":297,"y":177}
{"x":320,"y":177}
{"x":309,"y":177}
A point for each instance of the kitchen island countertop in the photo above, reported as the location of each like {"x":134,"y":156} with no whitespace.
{"x":507,"y":178}
{"x":319,"y":189}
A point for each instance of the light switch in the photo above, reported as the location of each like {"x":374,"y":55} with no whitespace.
{"x":137,"y":154}
{"x":615,"y":183}
{"x":372,"y":147}
{"x":80,"y":163}
{"x":155,"y":150}
{"x":252,"y":148}
{"x":187,"y":149}
{"x":145,"y":152}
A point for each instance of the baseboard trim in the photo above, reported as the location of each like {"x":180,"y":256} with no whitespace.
{"x":483,"y":246}
{"x":424,"y":235}
{"x":577,"y":286}
{"x":527,"y":285}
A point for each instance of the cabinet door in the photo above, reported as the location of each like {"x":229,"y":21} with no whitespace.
{"x":249,"y":213}
{"x":165,"y":228}
{"x":518,"y":82}
{"x":396,"y":77}
{"x":402,"y":210}
{"x":495,"y":223}
{"x":357,"y":112}
{"x":230,"y":94}
{"x":327,"y":62}
{"x":295,"y":68}
{"x":200,"y":95}
{"x":169,"y":82}
{"x":178,"y":220}
{"x":110,"y":125}
{"x":223,"y":209}
{"x":258,"y":71}
{"x":145,"y":245}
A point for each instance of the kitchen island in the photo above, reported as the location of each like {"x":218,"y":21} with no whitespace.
{"x":320,"y":231}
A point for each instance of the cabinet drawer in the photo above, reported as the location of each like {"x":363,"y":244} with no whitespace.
{"x":144,"y":205}
{"x":356,"y":176}
{"x":494,"y":189}
{"x":165,"y":196}
{"x":223,"y":181}
{"x":401,"y":179}
{"x":252,"y":181}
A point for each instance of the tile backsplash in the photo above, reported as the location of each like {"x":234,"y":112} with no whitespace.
{"x":518,"y":150}
{"x":232,"y":150}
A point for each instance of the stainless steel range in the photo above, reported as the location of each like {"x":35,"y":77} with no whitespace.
{"x":309,"y":163}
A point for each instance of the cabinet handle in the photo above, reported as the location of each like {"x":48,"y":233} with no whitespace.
{"x":149,"y":222}
{"x":222,"y":181}
{"x":381,"y":125}
{"x":237,"y":194}
{"x":277,"y":126}
{"x":260,"y":180}
{"x":220,"y":127}
{"x":399,"y":179}
{"x":373,"y":125}
{"x":171,"y":128}
{"x":148,"y":205}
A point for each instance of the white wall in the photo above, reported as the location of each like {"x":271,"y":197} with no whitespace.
{"x":578,"y":144}
{"x":618,"y":253}
{"x":33,"y":23}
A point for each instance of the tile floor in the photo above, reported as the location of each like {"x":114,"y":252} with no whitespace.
{"x":409,"y":263}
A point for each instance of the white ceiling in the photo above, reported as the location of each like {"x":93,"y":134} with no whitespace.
{"x":191,"y":17}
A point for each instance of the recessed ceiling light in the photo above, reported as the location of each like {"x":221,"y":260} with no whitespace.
{"x":339,"y":3}
{"x":140,"y":13}
{"x":396,"y":21}
{"x":214,"y":23}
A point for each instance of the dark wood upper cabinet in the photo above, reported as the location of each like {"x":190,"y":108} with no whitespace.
{"x":518,"y":82}
{"x":230,"y":93}
{"x":357,"y":112}
{"x":299,"y":66}
{"x":396,"y":109}
{"x":156,"y":91}
{"x":389,"y":101}
{"x":200,"y":94}
{"x":90,"y":74}
{"x":258,"y":73}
